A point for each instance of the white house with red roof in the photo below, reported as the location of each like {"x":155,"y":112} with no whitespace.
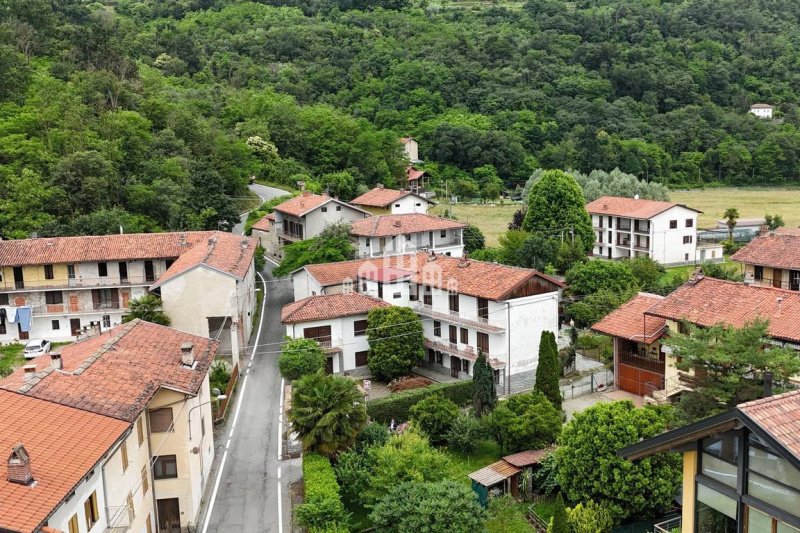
{"x":633,"y":227}
{"x":383,"y":201}
{"x":398,"y":234}
{"x":772,"y":259}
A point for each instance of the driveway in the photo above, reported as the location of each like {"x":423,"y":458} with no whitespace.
{"x":263,"y":191}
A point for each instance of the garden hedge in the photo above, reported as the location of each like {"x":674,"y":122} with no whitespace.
{"x":322,"y":509}
{"x":397,"y":405}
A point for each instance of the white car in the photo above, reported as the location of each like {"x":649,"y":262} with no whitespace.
{"x":35,"y":348}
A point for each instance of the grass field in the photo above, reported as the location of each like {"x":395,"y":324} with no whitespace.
{"x":492,"y":219}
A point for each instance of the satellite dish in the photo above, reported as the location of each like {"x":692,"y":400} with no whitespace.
{"x":635,"y":196}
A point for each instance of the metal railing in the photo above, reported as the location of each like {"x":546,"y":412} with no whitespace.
{"x":673,"y":525}
{"x":76,"y":283}
{"x":288,"y":234}
{"x":466,"y":352}
{"x":119,"y":516}
{"x":645,"y":363}
{"x":477,"y":322}
{"x":66,"y":309}
{"x":792,"y":284}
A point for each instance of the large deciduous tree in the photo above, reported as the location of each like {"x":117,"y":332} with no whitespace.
{"x":331,"y":245}
{"x":525,"y":422}
{"x":395,"y":341}
{"x":434,"y":415}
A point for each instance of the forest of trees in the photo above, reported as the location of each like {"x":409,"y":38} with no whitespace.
{"x":153,"y":115}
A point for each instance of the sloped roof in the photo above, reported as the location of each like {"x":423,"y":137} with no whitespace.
{"x":303,"y":203}
{"x":778,"y":249}
{"x":328,"y":306}
{"x":265,"y":223}
{"x":494,"y":473}
{"x":63,"y":444}
{"x":389,"y":225}
{"x":710,"y":301}
{"x":379,"y":197}
{"x":412,"y":174}
{"x":529,"y":457}
{"x":118,"y":372}
{"x":761,"y":106}
{"x":779,"y":416}
{"x":225,"y":252}
{"x":630,"y":207}
{"x":630,"y":320}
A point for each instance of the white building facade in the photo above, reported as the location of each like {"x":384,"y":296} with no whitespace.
{"x":401,"y":234}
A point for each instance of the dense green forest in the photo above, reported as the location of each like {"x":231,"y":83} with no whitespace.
{"x":153,"y":114}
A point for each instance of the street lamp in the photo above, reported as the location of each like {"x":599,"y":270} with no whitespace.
{"x":217,"y":398}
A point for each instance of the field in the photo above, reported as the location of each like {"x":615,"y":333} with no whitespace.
{"x":493,"y":219}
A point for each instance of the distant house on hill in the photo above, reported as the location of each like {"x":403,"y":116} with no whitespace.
{"x":411,"y":149}
{"x":761,"y":110}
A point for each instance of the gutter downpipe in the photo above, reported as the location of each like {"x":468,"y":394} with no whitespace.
{"x":508,"y":355}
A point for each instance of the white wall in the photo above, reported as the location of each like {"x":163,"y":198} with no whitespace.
{"x":667,"y":245}
{"x":393,"y":293}
{"x":189,"y":299}
{"x":451,"y":244}
{"x":529,"y":317}
{"x":304,"y":285}
{"x":409,"y":204}
{"x":74,"y":506}
{"x":342,"y":335}
{"x":316,"y":220}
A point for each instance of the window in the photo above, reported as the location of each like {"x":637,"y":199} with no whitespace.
{"x":496,"y":377}
{"x":124,"y":453}
{"x":397,"y":295}
{"x":3,"y":299}
{"x":324,"y":209}
{"x":90,"y":510}
{"x":2,"y":325}
{"x":361,"y":358}
{"x":437,"y":328}
{"x":139,"y":431}
{"x":54,"y":297}
{"x":464,"y":336}
{"x":168,"y":263}
{"x":453,"y":296}
{"x":689,"y":223}
{"x":338,"y":208}
{"x":673,"y":224}
{"x":48,"y":272}
{"x":165,"y":467}
{"x":687,"y":239}
{"x":483,"y":308}
{"x":397,"y":205}
{"x":465,"y":366}
{"x":443,"y":233}
{"x":106,"y":321}
{"x":427,"y":298}
{"x":73,"y":524}
{"x":453,"y":334}
{"x":419,"y":204}
{"x":161,"y":420}
{"x":71,"y":271}
{"x":686,"y":257}
{"x":55,"y":325}
{"x":439,"y":358}
{"x":131,"y":510}
{"x":715,"y":511}
{"x":359,"y":328}
{"x":102,"y":269}
{"x":483,"y":342}
{"x":758,"y":272}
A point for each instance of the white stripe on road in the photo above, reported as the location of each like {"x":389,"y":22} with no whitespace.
{"x":213,"y":499}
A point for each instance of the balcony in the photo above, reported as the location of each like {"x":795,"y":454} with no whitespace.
{"x":645,"y":363}
{"x":80,"y":282}
{"x":642,"y":246}
{"x":642,"y":229}
{"x":119,"y":517}
{"x":673,"y":525}
{"x":465,"y":352}
{"x":288,"y":235}
{"x":332,"y":345}
{"x":478,"y":323}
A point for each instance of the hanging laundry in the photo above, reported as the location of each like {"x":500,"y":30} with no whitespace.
{"x":11,"y":314}
{"x":24,"y":319}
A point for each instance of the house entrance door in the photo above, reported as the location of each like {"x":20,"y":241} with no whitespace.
{"x":19,"y":280}
{"x":169,"y":515}
{"x":75,"y":326}
{"x":455,"y":366}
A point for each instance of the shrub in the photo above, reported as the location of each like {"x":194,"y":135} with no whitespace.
{"x":219,"y":376}
{"x":558,"y":524}
{"x":353,"y":469}
{"x":397,"y":405}
{"x":322,"y":508}
{"x":464,"y":434}
{"x":408,"y":383}
{"x":525,"y":422}
{"x":434,"y":415}
{"x":300,"y":357}
{"x":395,"y":341}
{"x":373,"y":435}
{"x":729,"y":246}
{"x":548,"y":369}
{"x":484,"y":391}
{"x":589,"y":518}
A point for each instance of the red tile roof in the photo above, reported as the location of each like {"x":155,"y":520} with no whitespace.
{"x":224,"y":252}
{"x":412,"y":174}
{"x":118,"y":372}
{"x":303,"y":203}
{"x":481,"y":279}
{"x":630,"y":321}
{"x":388,"y":225}
{"x":774,"y":249}
{"x":779,"y":416}
{"x":323,"y":307}
{"x":386,"y":274}
{"x":64,"y":445}
{"x":529,"y":457}
{"x":379,"y":197}
{"x":265,"y":224}
{"x":787,"y":231}
{"x":710,"y":301}
{"x":629,"y":207}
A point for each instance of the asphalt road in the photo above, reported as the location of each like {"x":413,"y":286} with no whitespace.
{"x":266,"y":193}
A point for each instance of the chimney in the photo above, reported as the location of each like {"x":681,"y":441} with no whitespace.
{"x":187,"y":354}
{"x":30,"y":372}
{"x":779,"y":301}
{"x":397,"y":224}
{"x":605,"y":207}
{"x":767,"y":384}
{"x":55,"y":360}
{"x":379,"y":185}
{"x":19,"y":466}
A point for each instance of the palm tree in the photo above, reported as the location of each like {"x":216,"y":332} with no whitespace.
{"x":731,"y":215}
{"x":147,"y":307}
{"x":327,"y":412}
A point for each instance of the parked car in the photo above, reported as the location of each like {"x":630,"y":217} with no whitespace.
{"x":36,"y":347}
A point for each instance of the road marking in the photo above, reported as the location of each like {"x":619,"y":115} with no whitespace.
{"x":280,"y":509}
{"x":228,"y":444}
{"x":280,"y":423}
{"x":213,"y":499}
{"x":279,"y":472}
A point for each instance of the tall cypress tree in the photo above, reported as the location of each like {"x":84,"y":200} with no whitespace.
{"x":559,"y":524}
{"x":548,"y":371}
{"x":484,"y":393}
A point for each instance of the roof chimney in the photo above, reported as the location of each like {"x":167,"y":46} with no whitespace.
{"x":397,"y":223}
{"x":19,"y":465}
{"x":187,"y":354}
{"x":379,"y":185}
{"x":767,"y":384}
{"x":30,"y":372}
{"x":55,"y":360}
{"x":605,"y":207}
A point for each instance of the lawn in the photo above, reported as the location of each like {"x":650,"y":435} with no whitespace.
{"x":10,"y":358}
{"x":488,"y":452}
{"x":492,"y":219}
{"x":751,"y":202}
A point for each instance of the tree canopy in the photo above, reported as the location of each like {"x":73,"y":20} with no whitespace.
{"x":395,"y":341}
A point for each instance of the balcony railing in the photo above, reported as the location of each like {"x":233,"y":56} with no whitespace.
{"x":642,"y":246}
{"x":330,"y":345}
{"x":645,"y":363}
{"x":288,"y":234}
{"x":119,"y":517}
{"x":673,"y":525}
{"x":792,"y":284}
{"x":465,"y":352}
{"x":66,"y":309}
{"x":478,"y":323}
{"x":644,"y":230}
{"x":75,"y":283}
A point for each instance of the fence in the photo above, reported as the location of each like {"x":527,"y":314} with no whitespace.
{"x":600,"y":379}
{"x":222,"y":409}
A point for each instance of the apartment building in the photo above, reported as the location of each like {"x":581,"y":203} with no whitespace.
{"x":383,"y":201}
{"x":772,"y":259}
{"x":150,"y":384}
{"x":466,"y":307}
{"x":58,"y":288}
{"x":632,"y":227}
{"x":643,"y":361}
{"x":399,"y":234}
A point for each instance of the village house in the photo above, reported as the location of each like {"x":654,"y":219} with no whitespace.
{"x":147,"y":389}
{"x":417,"y":181}
{"x":466,"y":307}
{"x":741,"y":469}
{"x":772,"y":259}
{"x":762,"y":110}
{"x":383,"y":201}
{"x":410,"y":149}
{"x":663,"y":231}
{"x":59,"y":288}
{"x":398,"y":234}
{"x":643,"y":363}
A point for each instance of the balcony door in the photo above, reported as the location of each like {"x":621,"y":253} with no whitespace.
{"x":777,"y":278}
{"x":19,"y":279}
{"x":123,"y":272}
{"x":321,"y":334}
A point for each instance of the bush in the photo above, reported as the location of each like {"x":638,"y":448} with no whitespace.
{"x":549,"y":369}
{"x":525,"y":422}
{"x":729,"y":246}
{"x":558,"y":524}
{"x":219,"y":376}
{"x":300,"y":357}
{"x":322,"y":508}
{"x":397,"y":406}
{"x":408,"y":383}
{"x":372,"y":435}
{"x":395,"y":341}
{"x":464,"y":434}
{"x":434,"y":415}
{"x":353,"y":470}
{"x":589,"y":518}
{"x":719,"y":271}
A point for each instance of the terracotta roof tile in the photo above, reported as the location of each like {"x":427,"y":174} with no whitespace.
{"x":118,"y":372}
{"x":412,"y":174}
{"x":779,"y":416}
{"x":226,"y":252}
{"x":529,"y":457}
{"x":265,"y":224}
{"x":63,"y":443}
{"x":630,"y":321}
{"x":629,"y":207}
{"x":323,"y":307}
{"x":302,"y":203}
{"x":387,"y":225}
{"x":774,"y":249}
{"x":710,"y":301}
{"x":379,"y":197}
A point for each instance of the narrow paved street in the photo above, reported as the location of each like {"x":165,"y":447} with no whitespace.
{"x":265,"y":193}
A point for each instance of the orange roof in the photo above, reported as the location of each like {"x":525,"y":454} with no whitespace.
{"x":529,"y":457}
{"x":779,"y":416}
{"x":629,"y":207}
{"x":118,"y":372}
{"x":265,"y":224}
{"x":303,"y":203}
{"x":387,"y":225}
{"x":406,"y":139}
{"x":481,"y":279}
{"x":710,"y":301}
{"x":412,"y":174}
{"x":64,"y":445}
{"x":225,"y":252}
{"x":787,"y":231}
{"x":630,"y":321}
{"x":323,"y":307}
{"x":379,"y":197}
{"x":779,"y":249}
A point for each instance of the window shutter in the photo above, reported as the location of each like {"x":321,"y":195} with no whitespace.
{"x":161,"y":420}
